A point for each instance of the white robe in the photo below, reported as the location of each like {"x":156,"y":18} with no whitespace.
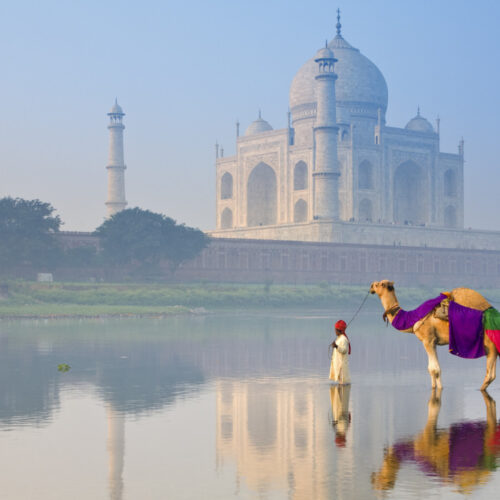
{"x":339,"y":397}
{"x":339,"y":367}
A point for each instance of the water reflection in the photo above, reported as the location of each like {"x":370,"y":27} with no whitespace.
{"x":247,"y":394}
{"x":116,"y":452}
{"x":463,"y":454}
{"x":276,"y":434}
{"x":341,"y":417}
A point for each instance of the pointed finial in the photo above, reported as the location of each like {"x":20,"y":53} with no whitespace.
{"x":339,"y":26}
{"x":260,"y":115}
{"x":116,"y":100}
{"x":216,"y":149}
{"x":326,"y":44}
{"x":237,"y":127}
{"x":418,"y":110}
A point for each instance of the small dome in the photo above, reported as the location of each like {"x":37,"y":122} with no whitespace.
{"x":258,"y":126}
{"x":420,"y":124}
{"x":116,"y":109}
{"x":324,"y":53}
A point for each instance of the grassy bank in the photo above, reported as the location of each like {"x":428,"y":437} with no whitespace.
{"x":90,"y":300}
{"x":47,"y":310}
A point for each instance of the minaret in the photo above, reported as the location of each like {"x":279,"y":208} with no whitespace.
{"x":326,"y":170}
{"x":116,"y":166}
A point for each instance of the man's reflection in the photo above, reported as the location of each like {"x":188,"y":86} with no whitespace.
{"x":464,"y":454}
{"x":339,"y":397}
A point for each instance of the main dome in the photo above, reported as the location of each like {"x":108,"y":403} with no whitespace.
{"x":360,"y":83}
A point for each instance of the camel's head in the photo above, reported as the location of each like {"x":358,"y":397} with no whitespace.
{"x":382,"y":287}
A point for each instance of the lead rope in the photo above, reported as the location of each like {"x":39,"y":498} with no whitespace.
{"x":359,"y":308}
{"x":330,"y":346}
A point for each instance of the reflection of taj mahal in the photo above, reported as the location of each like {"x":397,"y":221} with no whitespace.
{"x":278,"y":435}
{"x":337,"y":164}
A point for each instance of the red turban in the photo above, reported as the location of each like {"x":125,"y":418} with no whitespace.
{"x":340,"y":440}
{"x":340,"y":325}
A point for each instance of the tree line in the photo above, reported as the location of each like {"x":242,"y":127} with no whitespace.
{"x":134,"y":241}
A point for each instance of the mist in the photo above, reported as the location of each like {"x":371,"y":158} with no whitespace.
{"x":185,"y":73}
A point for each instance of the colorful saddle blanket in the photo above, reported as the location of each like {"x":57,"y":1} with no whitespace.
{"x":491,"y":323}
{"x":467,"y":326}
{"x":404,"y":320}
{"x":466,"y":331}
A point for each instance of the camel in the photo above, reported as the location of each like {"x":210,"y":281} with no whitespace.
{"x":433,"y":331}
{"x":432,"y":449}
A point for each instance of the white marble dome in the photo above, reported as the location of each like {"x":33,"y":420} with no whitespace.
{"x":420,"y":124}
{"x":258,"y":126}
{"x":359,"y":83}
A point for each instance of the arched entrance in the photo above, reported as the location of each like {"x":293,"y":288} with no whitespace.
{"x":300,"y":176}
{"x":365,"y":175}
{"x":261,"y":196}
{"x":410,"y":194}
{"x":450,"y":216}
{"x":226,"y":186}
{"x":300,"y":211}
{"x":226,"y":219}
{"x":365,"y":211}
{"x":450,"y":183}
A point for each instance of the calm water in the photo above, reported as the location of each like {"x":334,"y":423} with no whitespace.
{"x":218,"y":407}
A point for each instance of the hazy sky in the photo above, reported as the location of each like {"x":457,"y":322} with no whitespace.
{"x":185,"y":71}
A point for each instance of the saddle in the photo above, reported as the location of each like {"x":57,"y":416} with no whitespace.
{"x":441,"y":311}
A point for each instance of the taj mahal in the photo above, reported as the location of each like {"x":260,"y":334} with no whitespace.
{"x":338,"y":172}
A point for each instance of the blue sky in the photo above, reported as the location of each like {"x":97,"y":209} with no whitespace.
{"x":185,"y":71}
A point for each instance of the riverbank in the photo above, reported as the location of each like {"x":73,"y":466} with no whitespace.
{"x":51,"y":300}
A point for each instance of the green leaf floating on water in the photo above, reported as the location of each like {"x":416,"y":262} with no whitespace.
{"x":63,"y":367}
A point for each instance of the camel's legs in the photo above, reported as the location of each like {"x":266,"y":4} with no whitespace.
{"x":491,"y":367}
{"x":433,"y":366}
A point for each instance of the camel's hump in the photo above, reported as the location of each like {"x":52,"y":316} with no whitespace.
{"x":469,"y":298}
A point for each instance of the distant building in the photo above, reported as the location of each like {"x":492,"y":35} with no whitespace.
{"x":338,"y":167}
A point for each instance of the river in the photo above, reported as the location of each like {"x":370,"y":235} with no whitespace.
{"x":237,"y":406}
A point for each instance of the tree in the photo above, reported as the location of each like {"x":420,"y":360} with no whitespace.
{"x":27,"y":235}
{"x":184,"y":244}
{"x":136,"y":236}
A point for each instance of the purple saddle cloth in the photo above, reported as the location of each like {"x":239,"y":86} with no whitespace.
{"x":466,"y":331}
{"x":406,"y":319}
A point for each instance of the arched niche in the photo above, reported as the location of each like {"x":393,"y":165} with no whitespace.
{"x":410,"y":194}
{"x":226,"y":186}
{"x":300,"y":176}
{"x":261,"y":196}
{"x":226,"y":218}
{"x":365,"y":211}
{"x":365,"y":175}
{"x":450,"y":183}
{"x":300,"y":211}
{"x":450,"y":216}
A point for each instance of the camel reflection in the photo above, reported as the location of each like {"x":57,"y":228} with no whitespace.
{"x":339,"y":397}
{"x":463,"y":455}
